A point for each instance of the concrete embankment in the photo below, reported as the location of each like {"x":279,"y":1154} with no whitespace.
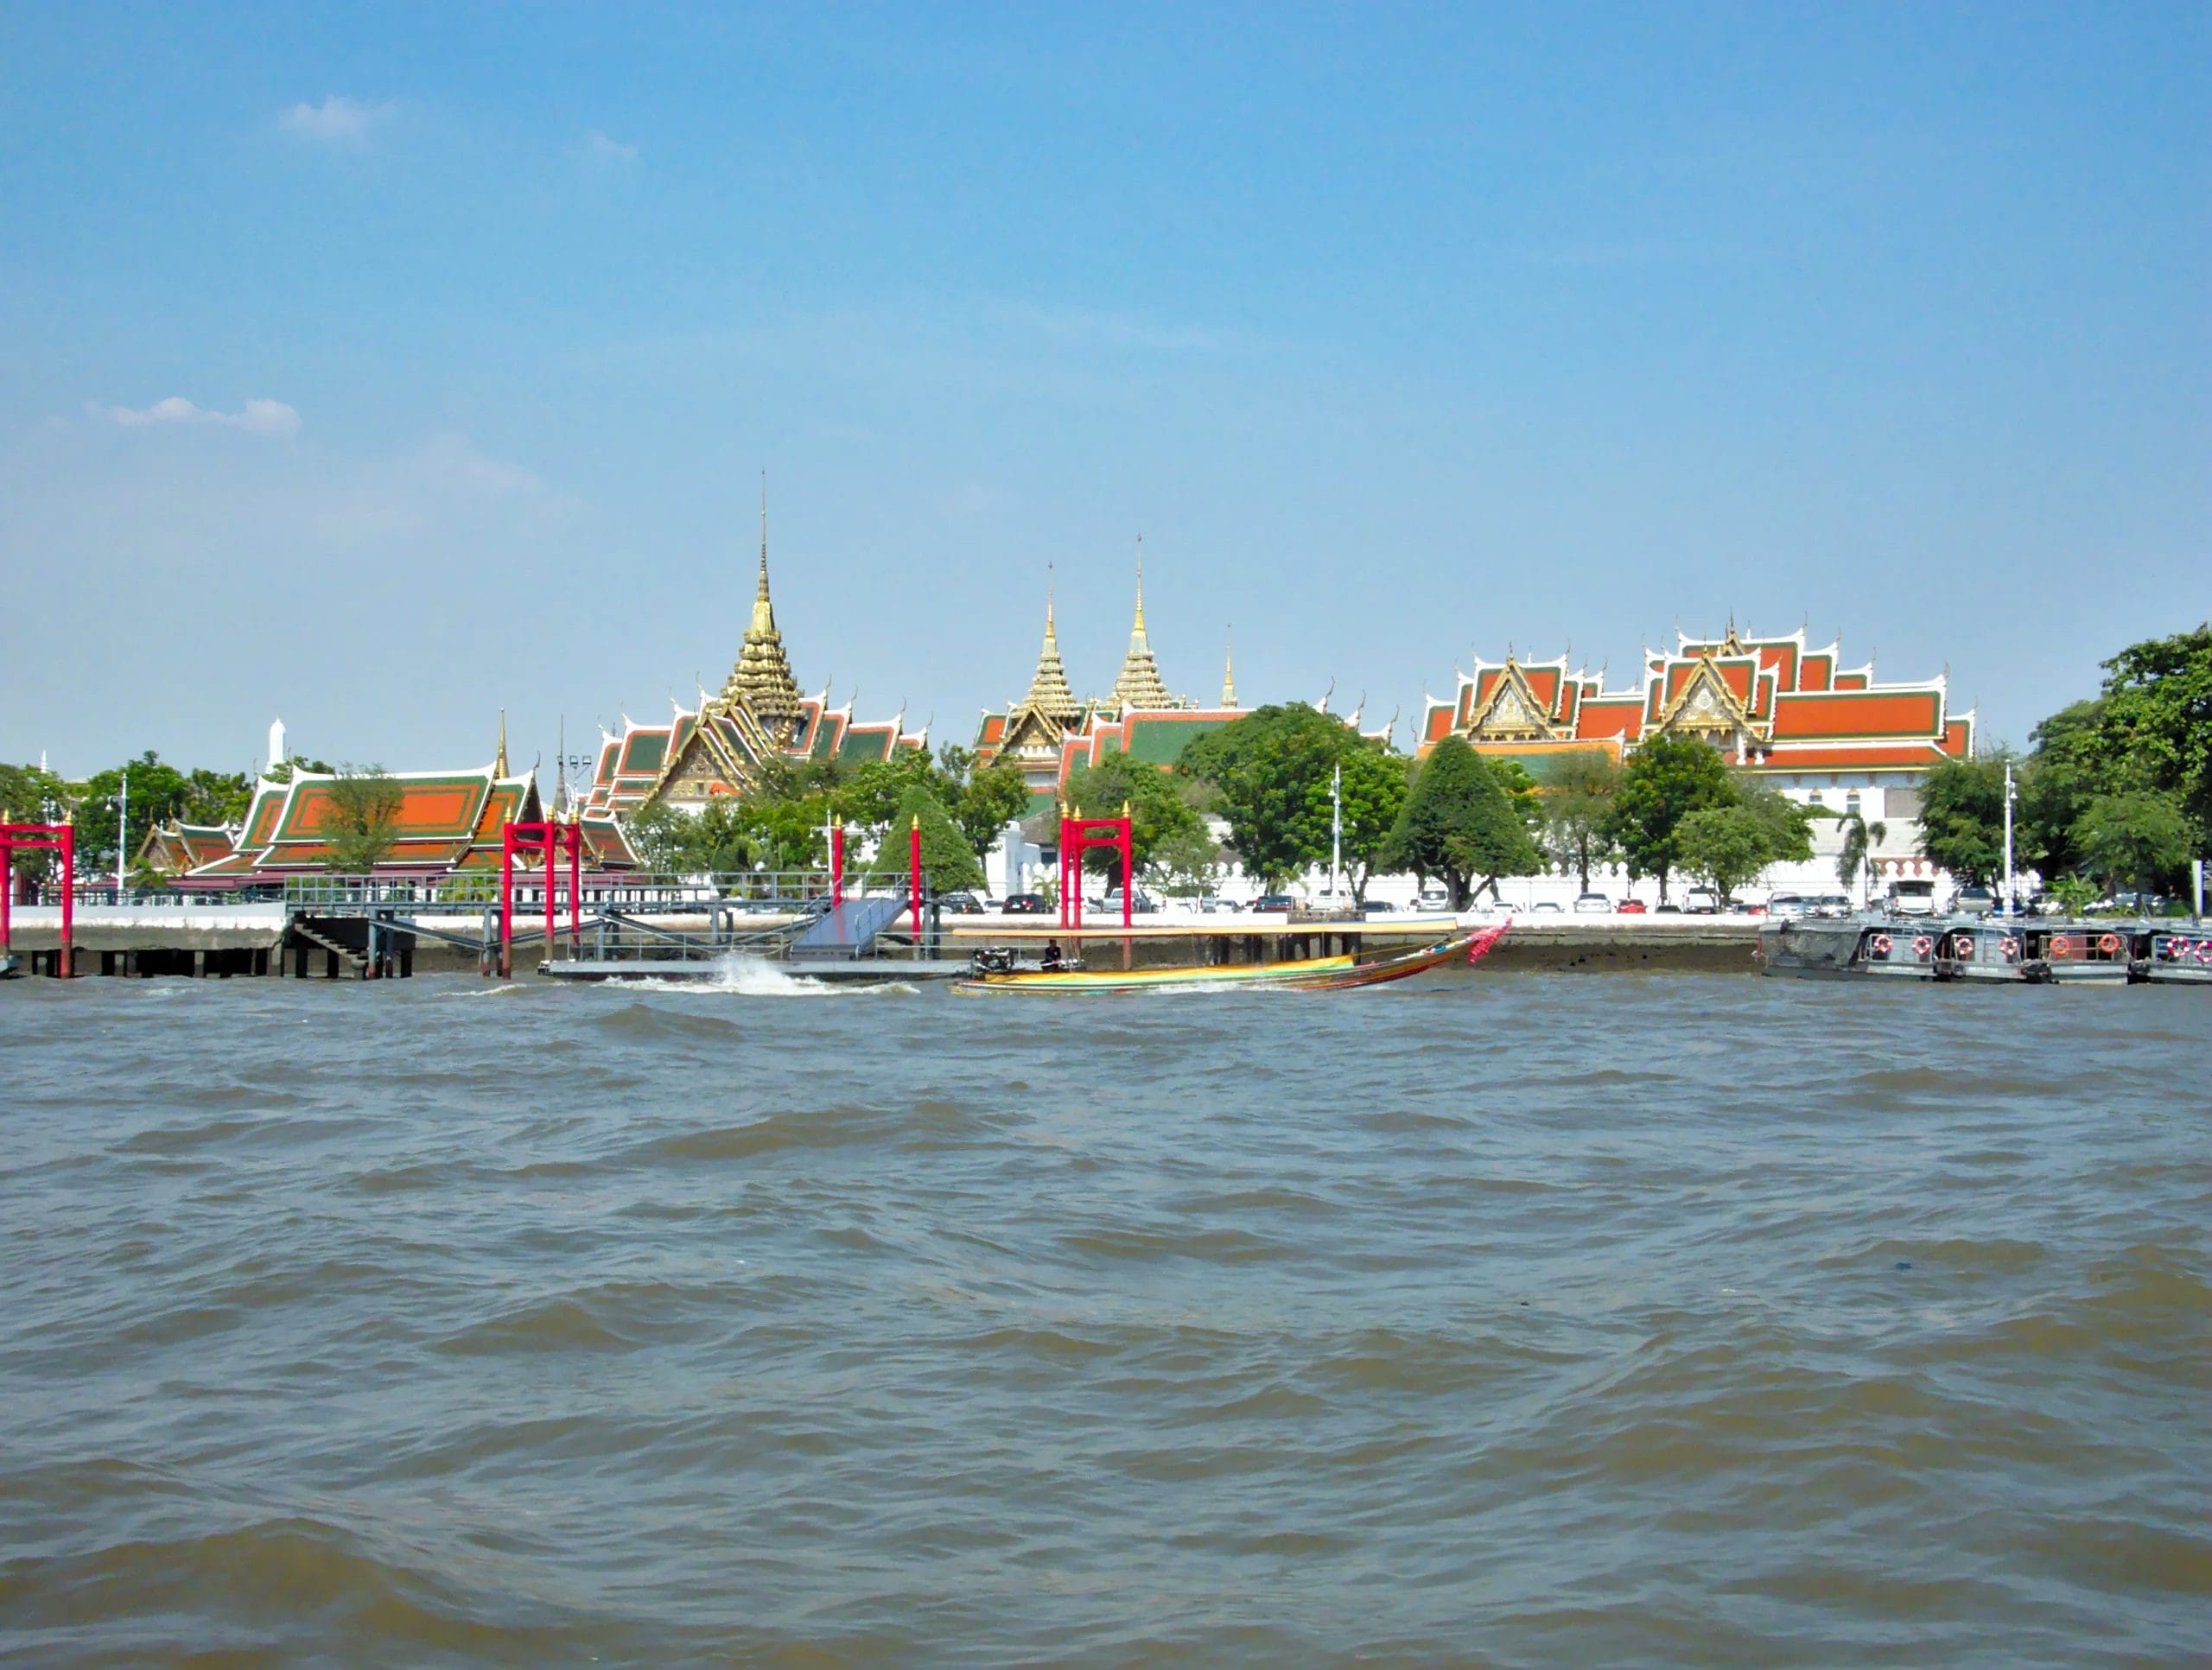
{"x":1628,"y":945}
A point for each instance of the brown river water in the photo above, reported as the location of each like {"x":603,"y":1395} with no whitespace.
{"x":1489,"y":1320}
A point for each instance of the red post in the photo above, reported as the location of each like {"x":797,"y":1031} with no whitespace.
{"x":7,"y":888}
{"x":575,"y":889}
{"x":506,"y":900}
{"x":837,"y":864}
{"x":68,"y":959}
{"x":914,"y":850}
{"x":1125,"y":844}
{"x":552,"y":873}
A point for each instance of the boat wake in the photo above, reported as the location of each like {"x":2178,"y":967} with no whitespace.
{"x":750,"y":977}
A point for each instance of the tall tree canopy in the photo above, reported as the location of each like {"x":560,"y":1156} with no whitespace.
{"x":363,"y":827}
{"x":1578,"y":802}
{"x":947,"y":863}
{"x":1663,"y":781}
{"x":1157,"y":809}
{"x":1962,"y":817}
{"x":1273,"y":770}
{"x":1460,"y":823}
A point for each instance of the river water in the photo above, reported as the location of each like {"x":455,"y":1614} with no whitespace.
{"x":1490,"y":1318}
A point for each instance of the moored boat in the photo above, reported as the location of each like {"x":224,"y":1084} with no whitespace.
{"x":1979,"y":949}
{"x":2177,"y":957}
{"x":996,"y":977}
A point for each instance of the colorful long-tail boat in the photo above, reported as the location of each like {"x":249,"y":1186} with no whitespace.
{"x":1318,"y":973}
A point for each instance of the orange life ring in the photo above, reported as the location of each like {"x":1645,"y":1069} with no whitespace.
{"x":1881,"y":944}
{"x":2060,"y":946}
{"x":2109,"y":943}
{"x":1962,"y":943}
{"x":1922,"y":946}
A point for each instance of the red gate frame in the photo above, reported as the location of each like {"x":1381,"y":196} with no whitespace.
{"x":567,"y":838}
{"x":1079,"y":835}
{"x":40,"y":837}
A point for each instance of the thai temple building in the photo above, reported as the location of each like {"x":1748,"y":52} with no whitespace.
{"x":1050,"y":732}
{"x":448,"y":822}
{"x":1828,"y":735}
{"x":725,"y":744}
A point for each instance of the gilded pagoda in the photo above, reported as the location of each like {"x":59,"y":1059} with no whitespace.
{"x":724,"y":745}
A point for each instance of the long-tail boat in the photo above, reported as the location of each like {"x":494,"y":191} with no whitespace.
{"x":995,"y":976}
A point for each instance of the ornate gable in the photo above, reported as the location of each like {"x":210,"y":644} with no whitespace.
{"x":1515,"y":712}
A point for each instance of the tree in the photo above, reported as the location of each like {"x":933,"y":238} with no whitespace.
{"x":1663,"y":781}
{"x":2068,"y":769}
{"x":1860,"y":840}
{"x":363,"y":818}
{"x":1785,"y":825}
{"x":2139,"y":839}
{"x":990,"y":799}
{"x":947,"y":864}
{"x":30,"y":795}
{"x":1187,"y":864}
{"x":1724,"y":845}
{"x":2157,"y":720}
{"x":870,"y":794}
{"x":1157,"y":810}
{"x":1459,"y":823}
{"x":1577,"y":803}
{"x":1272,"y":771}
{"x":1962,"y":816}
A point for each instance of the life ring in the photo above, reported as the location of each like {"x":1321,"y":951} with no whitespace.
{"x":2204,"y":952}
{"x":2108,"y":943}
{"x":1963,"y":945}
{"x":1922,"y":946}
{"x":2009,"y":948}
{"x":2177,"y":949}
{"x":1880,"y":945}
{"x":2061,"y":946}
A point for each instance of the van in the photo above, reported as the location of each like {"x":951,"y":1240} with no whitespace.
{"x":1910,"y":898}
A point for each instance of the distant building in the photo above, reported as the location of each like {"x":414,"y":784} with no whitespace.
{"x":448,"y":822}
{"x":725,"y":745}
{"x":1830,"y":736}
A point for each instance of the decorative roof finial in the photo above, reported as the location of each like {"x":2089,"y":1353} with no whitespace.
{"x":499,"y":766}
{"x":1229,"y":665}
{"x":1140,"y":685}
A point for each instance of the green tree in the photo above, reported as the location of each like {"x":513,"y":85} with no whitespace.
{"x":1187,"y":864}
{"x":2157,"y":721}
{"x":1271,"y":772}
{"x":1723,"y":846}
{"x":990,"y":799}
{"x":715,"y":840}
{"x":157,"y":792}
{"x":1157,"y":810}
{"x":947,"y":863}
{"x":1860,"y":840}
{"x":1459,"y":823}
{"x":28,"y":794}
{"x":1962,"y":817}
{"x":786,"y":835}
{"x":1785,"y":825}
{"x":1578,"y":803}
{"x":1663,"y":781}
{"x":2141,"y":838}
{"x":363,"y":818}
{"x":2069,"y":767}
{"x":870,"y":794}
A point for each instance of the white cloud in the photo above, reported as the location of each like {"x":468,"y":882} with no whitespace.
{"x":611,"y":152}
{"x":271,"y":417}
{"x":335,"y":121}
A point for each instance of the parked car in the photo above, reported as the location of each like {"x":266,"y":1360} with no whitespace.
{"x":1275,"y":903}
{"x":1546,"y":907}
{"x":1631,"y":907}
{"x":1745,"y":907}
{"x":1701,"y":901}
{"x":1790,"y":907}
{"x":1832,"y":905}
{"x":1592,"y":904}
{"x":1374,"y":906}
{"x":1973,"y":901}
{"x":1141,"y":902}
{"x":1909,"y":896}
{"x":1430,"y":899}
{"x":1027,"y":905}
{"x":1666,"y":910}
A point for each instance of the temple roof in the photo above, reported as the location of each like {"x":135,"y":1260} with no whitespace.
{"x":762,"y":679}
{"x":1140,"y":685}
{"x":1049,"y":696}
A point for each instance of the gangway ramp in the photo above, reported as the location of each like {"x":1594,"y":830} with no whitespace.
{"x":847,"y":930}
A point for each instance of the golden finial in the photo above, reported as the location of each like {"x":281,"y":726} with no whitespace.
{"x":499,"y":766}
{"x":1229,"y":665}
{"x":1125,"y":808}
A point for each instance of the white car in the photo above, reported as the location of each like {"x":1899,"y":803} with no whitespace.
{"x":1593,"y":904}
{"x":1910,"y":898}
{"x":1432,"y":899}
{"x":1701,"y":901}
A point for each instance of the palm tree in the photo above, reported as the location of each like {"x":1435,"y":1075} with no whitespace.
{"x":1860,"y":840}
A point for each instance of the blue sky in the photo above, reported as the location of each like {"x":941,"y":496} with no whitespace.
{"x":1400,"y":333}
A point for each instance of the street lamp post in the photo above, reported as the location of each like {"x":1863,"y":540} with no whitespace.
{"x":1336,"y":836}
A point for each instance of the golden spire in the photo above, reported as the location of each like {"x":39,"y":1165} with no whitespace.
{"x":1049,"y":695}
{"x":1228,"y":667}
{"x":762,"y":679}
{"x":499,"y":766}
{"x":1140,"y":685}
